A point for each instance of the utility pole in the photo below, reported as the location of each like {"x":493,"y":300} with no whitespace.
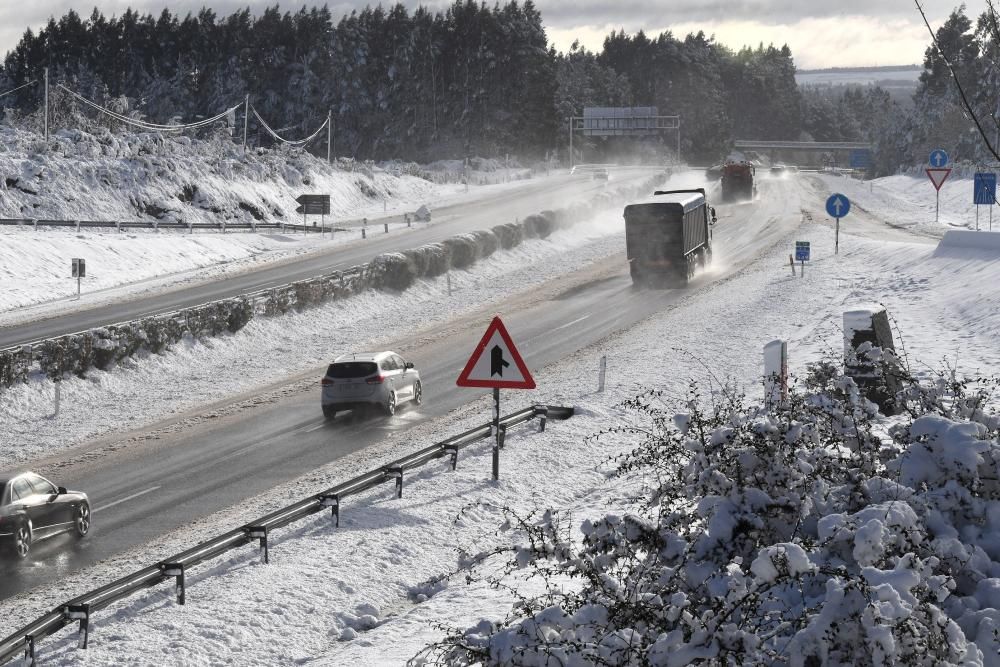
{"x":571,"y":143}
{"x":246,"y":119}
{"x":329,"y":132}
{"x":45,"y":123}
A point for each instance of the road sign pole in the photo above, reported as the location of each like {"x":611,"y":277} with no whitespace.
{"x":496,"y":433}
{"x":977,"y":217}
{"x":937,"y":205}
{"x":836,"y":239}
{"x":78,"y":287}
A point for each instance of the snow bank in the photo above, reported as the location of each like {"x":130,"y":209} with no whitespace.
{"x":981,"y":240}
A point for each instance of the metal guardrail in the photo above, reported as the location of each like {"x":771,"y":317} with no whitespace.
{"x":338,"y":225}
{"x":79,"y":609}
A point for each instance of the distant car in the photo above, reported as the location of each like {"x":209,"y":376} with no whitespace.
{"x":778,"y":169}
{"x":380,"y":379}
{"x":601,"y":175}
{"x":32,"y":508}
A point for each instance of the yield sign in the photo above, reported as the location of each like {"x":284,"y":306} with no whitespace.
{"x":496,"y":363}
{"x":938,"y":176}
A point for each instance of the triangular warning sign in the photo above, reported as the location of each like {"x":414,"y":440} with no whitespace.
{"x":938,"y":176}
{"x":496,"y":363}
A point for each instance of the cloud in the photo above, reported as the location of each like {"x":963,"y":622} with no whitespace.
{"x":815,"y":42}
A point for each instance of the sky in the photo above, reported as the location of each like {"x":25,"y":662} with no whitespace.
{"x":846,"y":33}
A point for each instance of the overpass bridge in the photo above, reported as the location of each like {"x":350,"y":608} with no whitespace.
{"x":855,"y":154}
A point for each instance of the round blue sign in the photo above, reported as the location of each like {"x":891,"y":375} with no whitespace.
{"x":838,"y":205}
{"x":938,"y":158}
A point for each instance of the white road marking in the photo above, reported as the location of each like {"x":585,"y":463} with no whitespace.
{"x":315,"y":428}
{"x":125,"y":499}
{"x":561,"y":326}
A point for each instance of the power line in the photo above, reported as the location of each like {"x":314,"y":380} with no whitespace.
{"x":14,"y":90}
{"x":300,"y":142}
{"x":156,"y":127}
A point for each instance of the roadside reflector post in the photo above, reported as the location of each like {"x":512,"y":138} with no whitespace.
{"x":175,"y":570}
{"x":501,"y":435}
{"x":776,"y":373}
{"x":791,"y":261}
{"x":453,"y":451}
{"x":387,"y":228}
{"x":602,"y":373}
{"x":58,"y":385}
{"x":543,"y":415}
{"x":363,"y":232}
{"x":449,"y":283}
{"x":29,"y":650}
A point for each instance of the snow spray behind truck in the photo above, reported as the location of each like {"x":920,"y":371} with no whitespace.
{"x":668,"y":236}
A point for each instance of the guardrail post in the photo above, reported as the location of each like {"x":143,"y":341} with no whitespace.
{"x":29,"y":650}
{"x":454,"y":455}
{"x":501,"y":435}
{"x":387,"y":228}
{"x":333,"y":502}
{"x":398,"y":474}
{"x":362,"y":232}
{"x":77,"y":226}
{"x":118,"y":226}
{"x":35,"y":223}
{"x":543,"y":416}
{"x":259,"y":532}
{"x":80,"y":612}
{"x":175,"y":570}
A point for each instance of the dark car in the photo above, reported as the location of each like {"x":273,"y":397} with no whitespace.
{"x":32,"y":508}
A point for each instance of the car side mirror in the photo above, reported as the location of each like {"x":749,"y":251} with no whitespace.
{"x":409,"y":364}
{"x":62,"y":490}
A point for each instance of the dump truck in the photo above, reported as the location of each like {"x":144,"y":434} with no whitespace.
{"x":738,"y":181}
{"x":668,"y":237}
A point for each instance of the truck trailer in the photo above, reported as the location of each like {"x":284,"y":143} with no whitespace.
{"x":738,"y":181}
{"x":668,"y":237}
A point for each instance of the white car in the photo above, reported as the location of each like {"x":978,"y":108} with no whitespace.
{"x":381,"y":379}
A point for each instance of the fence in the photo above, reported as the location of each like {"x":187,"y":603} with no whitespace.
{"x":79,"y":609}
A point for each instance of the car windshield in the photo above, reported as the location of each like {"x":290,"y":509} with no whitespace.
{"x":346,"y":370}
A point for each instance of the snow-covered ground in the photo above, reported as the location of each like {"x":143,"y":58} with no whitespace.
{"x":359,"y":594}
{"x":908,"y":201}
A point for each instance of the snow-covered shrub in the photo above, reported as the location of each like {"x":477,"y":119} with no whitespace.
{"x":537,"y":226}
{"x":815,"y":532}
{"x":462,"y":250}
{"x":430,"y":260}
{"x":510,"y":234}
{"x":392,"y":270}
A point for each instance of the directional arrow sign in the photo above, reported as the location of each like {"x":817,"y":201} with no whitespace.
{"x":984,"y":192}
{"x":496,"y":363}
{"x":837,"y":205}
{"x":938,"y":176}
{"x":938,"y":158}
{"x":313,"y":204}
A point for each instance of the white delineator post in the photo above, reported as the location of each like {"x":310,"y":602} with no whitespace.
{"x":602,"y":374}
{"x":776,"y":372}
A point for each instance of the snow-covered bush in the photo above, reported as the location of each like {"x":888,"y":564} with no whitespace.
{"x":814,"y":532}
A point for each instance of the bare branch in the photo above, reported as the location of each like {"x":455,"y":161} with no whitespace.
{"x":958,"y":84}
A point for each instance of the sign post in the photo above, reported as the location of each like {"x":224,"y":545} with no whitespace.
{"x":496,"y":364}
{"x":938,"y":173}
{"x":984,"y":193}
{"x":802,"y":256}
{"x":313,"y":205}
{"x":837,"y":206}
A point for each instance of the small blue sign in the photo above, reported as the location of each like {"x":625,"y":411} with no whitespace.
{"x":984,"y":189}
{"x":837,"y":206}
{"x":802,"y":251}
{"x":938,"y":158}
{"x":861,"y":159}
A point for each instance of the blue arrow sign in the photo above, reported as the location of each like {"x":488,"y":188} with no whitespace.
{"x":837,"y":206}
{"x":984,"y":189}
{"x":938,"y":158}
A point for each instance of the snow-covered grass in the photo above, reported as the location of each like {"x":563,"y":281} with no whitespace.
{"x":359,"y":594}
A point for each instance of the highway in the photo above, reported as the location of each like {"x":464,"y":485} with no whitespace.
{"x":515,"y":202}
{"x":154,"y":486}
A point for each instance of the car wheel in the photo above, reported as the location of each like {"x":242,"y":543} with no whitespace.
{"x":81,"y":522}
{"x":22,"y":541}
{"x":390,"y":404}
{"x":329,"y":412}
{"x":418,"y":393}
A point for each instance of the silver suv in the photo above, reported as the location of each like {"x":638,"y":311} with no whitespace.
{"x":382,"y":379}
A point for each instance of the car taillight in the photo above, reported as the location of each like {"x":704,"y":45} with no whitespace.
{"x":376,"y":379}
{"x":326,"y":382}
